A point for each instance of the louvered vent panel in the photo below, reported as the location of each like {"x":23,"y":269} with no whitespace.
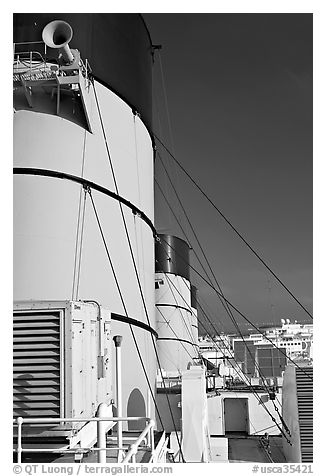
{"x":37,"y":364}
{"x":305,"y":411}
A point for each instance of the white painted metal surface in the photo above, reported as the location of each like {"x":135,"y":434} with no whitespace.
{"x":46,"y":213}
{"x":177,"y":347}
{"x":81,"y":391}
{"x":236,"y":414}
{"x":258,"y":418}
{"x":102,"y":423}
{"x":101,"y":432}
{"x":117,"y":342}
{"x":195,"y":433}
{"x":219,"y":450}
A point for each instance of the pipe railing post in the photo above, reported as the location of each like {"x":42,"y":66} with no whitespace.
{"x":133,"y":449}
{"x":152,"y":439}
{"x":131,"y":454}
{"x":146,"y":435}
{"x":19,"y":439}
{"x":101,"y":435}
{"x":117,"y":342}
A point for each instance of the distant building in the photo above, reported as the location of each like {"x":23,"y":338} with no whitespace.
{"x":265,"y":354}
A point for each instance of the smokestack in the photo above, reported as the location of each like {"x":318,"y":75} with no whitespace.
{"x":172,"y":256}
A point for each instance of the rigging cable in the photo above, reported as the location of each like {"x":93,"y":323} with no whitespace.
{"x":250,"y":386}
{"x":166,"y":101}
{"x":269,"y":286}
{"x":191,"y":311}
{"x":238,"y":311}
{"x":160,"y":130}
{"x":233,"y":227}
{"x":227,"y":308}
{"x":183,"y":319}
{"x":176,"y":335}
{"x":229,"y":312}
{"x":81,"y":246}
{"x":79,"y":231}
{"x":187,"y":239}
{"x":242,"y":375}
{"x":175,"y":171}
{"x":221,"y":295}
{"x":123,"y":304}
{"x":222,"y":299}
{"x":262,"y":376}
{"x":134,"y":264}
{"x":135,"y":268}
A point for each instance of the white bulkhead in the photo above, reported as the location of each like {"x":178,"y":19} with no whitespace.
{"x":176,"y":344}
{"x":177,"y":341}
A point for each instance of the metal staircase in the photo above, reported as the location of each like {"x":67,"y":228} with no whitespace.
{"x":305,"y":412}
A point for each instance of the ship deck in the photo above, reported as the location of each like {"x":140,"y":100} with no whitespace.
{"x":250,"y":449}
{"x":237,"y":449}
{"x":143,"y":455}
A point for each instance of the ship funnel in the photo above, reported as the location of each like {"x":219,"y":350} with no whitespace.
{"x":57,"y":34}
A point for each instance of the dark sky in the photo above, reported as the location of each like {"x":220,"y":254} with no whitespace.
{"x":239,"y":95}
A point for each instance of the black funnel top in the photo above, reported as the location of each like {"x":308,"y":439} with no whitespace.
{"x":172,"y":256}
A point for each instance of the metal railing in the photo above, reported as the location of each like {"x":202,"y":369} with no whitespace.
{"x":146,"y":436}
{"x":39,"y":58}
{"x":169,"y":382}
{"x":27,"y":44}
{"x":148,"y":430}
{"x":159,"y":453}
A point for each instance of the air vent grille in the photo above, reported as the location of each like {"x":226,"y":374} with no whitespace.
{"x":37,"y":364}
{"x":305,"y":411}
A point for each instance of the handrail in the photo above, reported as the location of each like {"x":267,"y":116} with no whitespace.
{"x":29,"y":48}
{"x":70,"y":420}
{"x":131,"y":455}
{"x":84,"y":66}
{"x":160,"y":450}
{"x":19,"y":421}
{"x":27,"y":42}
{"x":264,"y":443}
{"x":28,"y":55}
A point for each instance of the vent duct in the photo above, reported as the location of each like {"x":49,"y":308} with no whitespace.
{"x":305,"y":412}
{"x":37,"y":364}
